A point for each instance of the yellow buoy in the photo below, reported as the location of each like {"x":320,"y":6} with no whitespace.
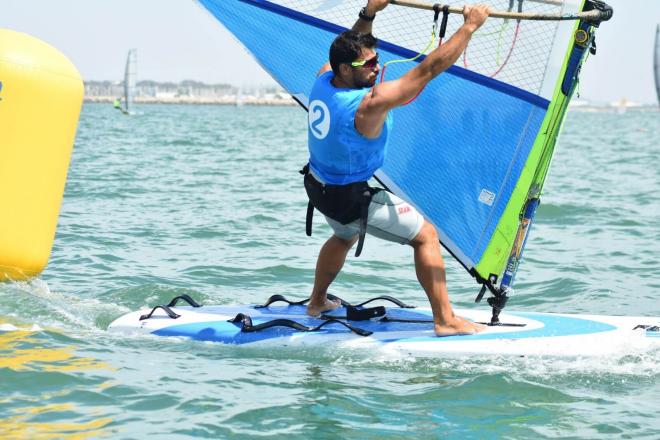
{"x":41,"y":95}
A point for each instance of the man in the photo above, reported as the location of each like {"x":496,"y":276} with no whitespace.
{"x":349,"y":123}
{"x":117,"y":105}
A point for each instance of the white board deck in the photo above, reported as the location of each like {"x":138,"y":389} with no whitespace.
{"x":543,"y":334}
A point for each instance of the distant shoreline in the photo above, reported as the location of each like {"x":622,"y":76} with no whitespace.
{"x":248,"y":100}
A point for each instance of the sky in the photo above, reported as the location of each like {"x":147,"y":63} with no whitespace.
{"x":178,"y":39}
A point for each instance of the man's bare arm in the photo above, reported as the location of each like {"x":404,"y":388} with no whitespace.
{"x":390,"y":94}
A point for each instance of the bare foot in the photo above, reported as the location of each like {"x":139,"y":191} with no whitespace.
{"x":314,"y":309}
{"x":458,"y":326}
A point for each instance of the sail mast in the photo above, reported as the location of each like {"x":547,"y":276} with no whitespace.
{"x":656,"y":62}
{"x":130,"y":79}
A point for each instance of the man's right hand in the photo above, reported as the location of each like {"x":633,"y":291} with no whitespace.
{"x":475,"y":16}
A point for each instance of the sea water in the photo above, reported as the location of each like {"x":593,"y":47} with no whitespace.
{"x":207,"y":200}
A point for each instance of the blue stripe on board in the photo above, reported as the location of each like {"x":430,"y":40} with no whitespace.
{"x":230,"y":333}
{"x":403,"y":52}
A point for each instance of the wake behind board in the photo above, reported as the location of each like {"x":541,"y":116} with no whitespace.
{"x":400,"y":331}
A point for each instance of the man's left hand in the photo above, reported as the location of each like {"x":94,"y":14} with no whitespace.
{"x":374,"y":6}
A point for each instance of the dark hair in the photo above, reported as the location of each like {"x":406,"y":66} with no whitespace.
{"x":347,"y":47}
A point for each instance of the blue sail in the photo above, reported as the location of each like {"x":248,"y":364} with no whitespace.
{"x":473,"y":147}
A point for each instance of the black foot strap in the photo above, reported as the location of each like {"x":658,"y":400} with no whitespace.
{"x":302,"y":302}
{"x":185,"y":298}
{"x":277,"y":298}
{"x":355,"y":314}
{"x":387,"y":298}
{"x":341,"y":301}
{"x":167,"y":310}
{"x":248,"y":327}
{"x":648,"y":328}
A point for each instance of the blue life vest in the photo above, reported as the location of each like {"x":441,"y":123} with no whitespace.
{"x":339,"y":154}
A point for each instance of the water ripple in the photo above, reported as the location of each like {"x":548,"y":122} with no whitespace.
{"x":206,"y":200}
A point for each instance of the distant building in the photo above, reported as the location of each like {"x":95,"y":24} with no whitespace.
{"x":187,"y":92}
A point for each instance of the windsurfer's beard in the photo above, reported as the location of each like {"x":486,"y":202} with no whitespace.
{"x":366,"y":83}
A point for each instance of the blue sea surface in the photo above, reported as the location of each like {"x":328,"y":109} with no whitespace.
{"x":207,"y":200}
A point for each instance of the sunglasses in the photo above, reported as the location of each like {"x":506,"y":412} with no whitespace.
{"x":367,"y":64}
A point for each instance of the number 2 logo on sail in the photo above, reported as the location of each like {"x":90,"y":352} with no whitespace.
{"x":319,"y":119}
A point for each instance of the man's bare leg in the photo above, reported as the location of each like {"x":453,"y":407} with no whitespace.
{"x":331,"y":260}
{"x":430,"y":269}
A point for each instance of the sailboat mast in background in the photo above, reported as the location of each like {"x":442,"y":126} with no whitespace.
{"x":656,"y":62}
{"x":130,"y":81}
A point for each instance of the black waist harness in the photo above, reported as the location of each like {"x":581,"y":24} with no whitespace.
{"x":342,"y":203}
